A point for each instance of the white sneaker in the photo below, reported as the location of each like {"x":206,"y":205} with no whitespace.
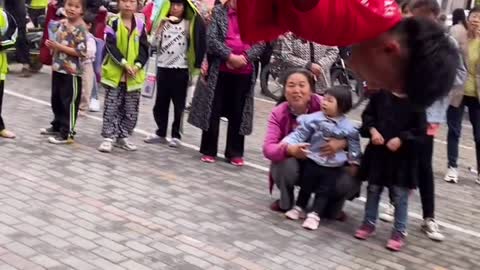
{"x":94,"y":105}
{"x":175,"y":143}
{"x":431,"y":229}
{"x":452,"y":175}
{"x":312,"y":221}
{"x":124,"y":144}
{"x":387,"y":215}
{"x":154,"y":138}
{"x":106,"y":146}
{"x":295,"y":213}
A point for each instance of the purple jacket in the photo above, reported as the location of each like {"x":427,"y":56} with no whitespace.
{"x":280,"y":124}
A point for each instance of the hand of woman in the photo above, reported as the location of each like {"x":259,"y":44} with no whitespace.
{"x":298,"y":151}
{"x":332,"y":146}
{"x":237,"y":61}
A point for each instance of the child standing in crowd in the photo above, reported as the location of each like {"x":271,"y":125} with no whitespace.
{"x":69,"y":46}
{"x":394,"y":127}
{"x":123,"y":76}
{"x":88,"y":77}
{"x":320,"y":172}
{"x":180,"y":50}
{"x":8,"y":32}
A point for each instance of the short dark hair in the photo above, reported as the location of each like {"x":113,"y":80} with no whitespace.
{"x":83,"y":2}
{"x":343,"y":95}
{"x":458,"y":16}
{"x":289,"y":72}
{"x":432,"y":61}
{"x":430,"y":5}
{"x":475,"y":9}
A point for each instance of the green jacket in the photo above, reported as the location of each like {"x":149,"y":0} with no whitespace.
{"x":8,"y":35}
{"x":197,"y":33}
{"x":125,"y":48}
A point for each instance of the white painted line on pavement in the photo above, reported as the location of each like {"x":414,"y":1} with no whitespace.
{"x":252,"y":165}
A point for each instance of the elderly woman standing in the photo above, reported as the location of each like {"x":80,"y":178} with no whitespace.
{"x":286,"y":166}
{"x":228,"y":85}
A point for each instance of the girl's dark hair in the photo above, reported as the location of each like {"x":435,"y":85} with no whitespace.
{"x":432,"y":60}
{"x":289,"y":72}
{"x":343,"y":95}
{"x":404,"y":6}
{"x":89,"y":18}
{"x":458,"y":16}
{"x":430,"y":5}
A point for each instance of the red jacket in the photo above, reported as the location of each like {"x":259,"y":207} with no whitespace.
{"x":327,"y":22}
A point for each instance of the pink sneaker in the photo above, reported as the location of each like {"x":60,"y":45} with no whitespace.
{"x":312,"y":221}
{"x":295,"y":213}
{"x":208,"y":159}
{"x":238,"y":161}
{"x":396,"y":242}
{"x":365,"y":231}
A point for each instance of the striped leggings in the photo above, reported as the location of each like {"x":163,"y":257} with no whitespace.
{"x":120,"y":113}
{"x":66,"y":92}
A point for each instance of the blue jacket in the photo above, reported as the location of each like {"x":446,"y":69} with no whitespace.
{"x":316,"y":128}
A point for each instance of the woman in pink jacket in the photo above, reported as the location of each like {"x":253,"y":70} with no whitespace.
{"x":286,"y":163}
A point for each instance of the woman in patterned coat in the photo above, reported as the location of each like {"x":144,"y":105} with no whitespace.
{"x":228,"y":88}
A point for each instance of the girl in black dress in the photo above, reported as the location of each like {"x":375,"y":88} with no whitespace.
{"x":394,"y":128}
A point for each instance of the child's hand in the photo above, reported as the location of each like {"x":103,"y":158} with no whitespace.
{"x":394,"y":144}
{"x":53,"y":45}
{"x":377,"y":138}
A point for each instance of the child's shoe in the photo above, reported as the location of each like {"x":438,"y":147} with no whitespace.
{"x":7,"y":134}
{"x":60,"y":140}
{"x":49,"y":131}
{"x":106,"y":146}
{"x":175,"y":143}
{"x":396,"y":242}
{"x":94,"y":105}
{"x":365,"y":231}
{"x":154,"y":138}
{"x":387,"y":215}
{"x":295,"y":213}
{"x":312,"y":221}
{"x":124,"y":144}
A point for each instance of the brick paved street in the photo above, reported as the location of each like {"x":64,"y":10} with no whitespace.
{"x":71,"y":207}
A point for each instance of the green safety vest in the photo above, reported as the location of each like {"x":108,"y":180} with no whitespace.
{"x":3,"y":54}
{"x":39,"y":4}
{"x":129,"y":46}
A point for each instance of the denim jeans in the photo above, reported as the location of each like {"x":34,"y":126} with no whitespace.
{"x":400,"y":201}
{"x":454,"y":121}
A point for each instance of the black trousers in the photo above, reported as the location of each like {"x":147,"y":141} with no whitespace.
{"x":321,"y":181}
{"x":66,"y":92}
{"x":2,"y":86}
{"x":229,"y":100}
{"x":17,"y":9}
{"x":425,"y":177}
{"x":172,"y":85}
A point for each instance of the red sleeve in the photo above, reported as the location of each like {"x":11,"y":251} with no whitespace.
{"x":328,"y":22}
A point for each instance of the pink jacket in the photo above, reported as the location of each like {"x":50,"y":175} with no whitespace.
{"x":280,"y":124}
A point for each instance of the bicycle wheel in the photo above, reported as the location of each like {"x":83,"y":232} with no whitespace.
{"x":348,"y":79}
{"x":270,"y":83}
